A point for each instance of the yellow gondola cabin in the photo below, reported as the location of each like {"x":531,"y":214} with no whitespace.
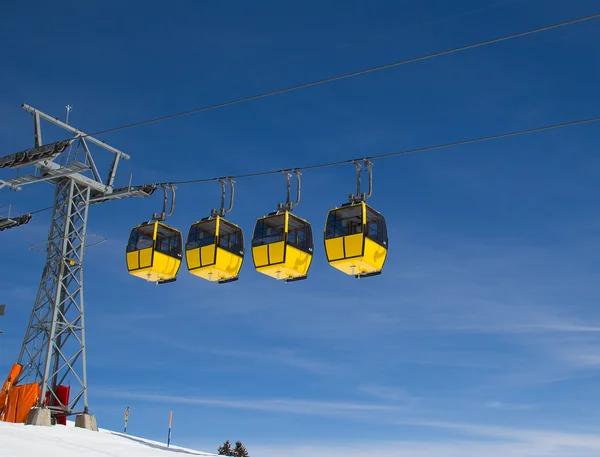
{"x":356,"y":240}
{"x":215,"y":250}
{"x":154,"y":252}
{"x":282,"y":246}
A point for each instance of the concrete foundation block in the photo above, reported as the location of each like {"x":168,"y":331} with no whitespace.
{"x":39,"y":416}
{"x":87,"y":421}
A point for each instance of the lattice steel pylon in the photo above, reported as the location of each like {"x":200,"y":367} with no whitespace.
{"x":54,"y":347}
{"x":54,"y":344}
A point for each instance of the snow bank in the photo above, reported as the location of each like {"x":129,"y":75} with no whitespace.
{"x":19,"y":440}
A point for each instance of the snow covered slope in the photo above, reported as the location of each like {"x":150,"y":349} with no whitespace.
{"x":18,"y":440}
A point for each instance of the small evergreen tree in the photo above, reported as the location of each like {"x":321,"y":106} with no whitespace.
{"x":240,"y":450}
{"x":226,"y":449}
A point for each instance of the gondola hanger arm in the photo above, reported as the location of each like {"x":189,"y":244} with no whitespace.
{"x":172,"y":200}
{"x":231,"y":184}
{"x":354,"y":198}
{"x":361,"y":196}
{"x":289,"y":205}
{"x":162,"y":216}
{"x":222,"y":211}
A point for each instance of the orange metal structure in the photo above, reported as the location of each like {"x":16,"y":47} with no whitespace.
{"x":20,"y":400}
{"x":13,"y":374}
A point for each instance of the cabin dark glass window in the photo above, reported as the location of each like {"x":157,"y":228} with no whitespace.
{"x":201,"y":234}
{"x":300,"y":234}
{"x":376,"y":229}
{"x":141,"y":238}
{"x":269,"y":230}
{"x":231,"y":238}
{"x":168,"y":242}
{"x":344,"y":222}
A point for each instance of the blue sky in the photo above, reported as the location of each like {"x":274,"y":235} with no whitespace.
{"x":482,"y":335}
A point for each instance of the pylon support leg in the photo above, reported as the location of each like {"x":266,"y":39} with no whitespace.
{"x":39,"y":416}
{"x":87,"y":421}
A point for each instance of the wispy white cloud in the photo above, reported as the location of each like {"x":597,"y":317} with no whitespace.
{"x":587,"y":360}
{"x":281,"y":357}
{"x":291,"y":406}
{"x":507,"y":406}
{"x":392,"y":394}
{"x":511,"y":326}
{"x":549,"y":440}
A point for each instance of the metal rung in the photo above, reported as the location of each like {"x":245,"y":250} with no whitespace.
{"x":123,"y":192}
{"x":48,"y":174}
{"x":73,"y":167}
{"x":9,"y":185}
{"x":166,"y":281}
{"x":8,"y":222}
{"x":367,"y":275}
{"x":228,"y":280}
{"x":22,"y":180}
{"x":297,"y":278}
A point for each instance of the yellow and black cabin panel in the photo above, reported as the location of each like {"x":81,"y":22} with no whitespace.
{"x":356,"y":240}
{"x":215,"y":250}
{"x":154,"y":252}
{"x":282,"y":246}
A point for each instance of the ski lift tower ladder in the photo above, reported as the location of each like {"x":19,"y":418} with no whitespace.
{"x":53,"y":350}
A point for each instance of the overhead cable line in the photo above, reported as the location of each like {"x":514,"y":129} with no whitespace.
{"x":397,"y":153}
{"x":41,"y":210}
{"x":345,"y":76}
{"x":379,"y":156}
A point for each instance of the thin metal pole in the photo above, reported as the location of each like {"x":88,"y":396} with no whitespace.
{"x":37,"y":131}
{"x":126,"y":420}
{"x":170,"y":424}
